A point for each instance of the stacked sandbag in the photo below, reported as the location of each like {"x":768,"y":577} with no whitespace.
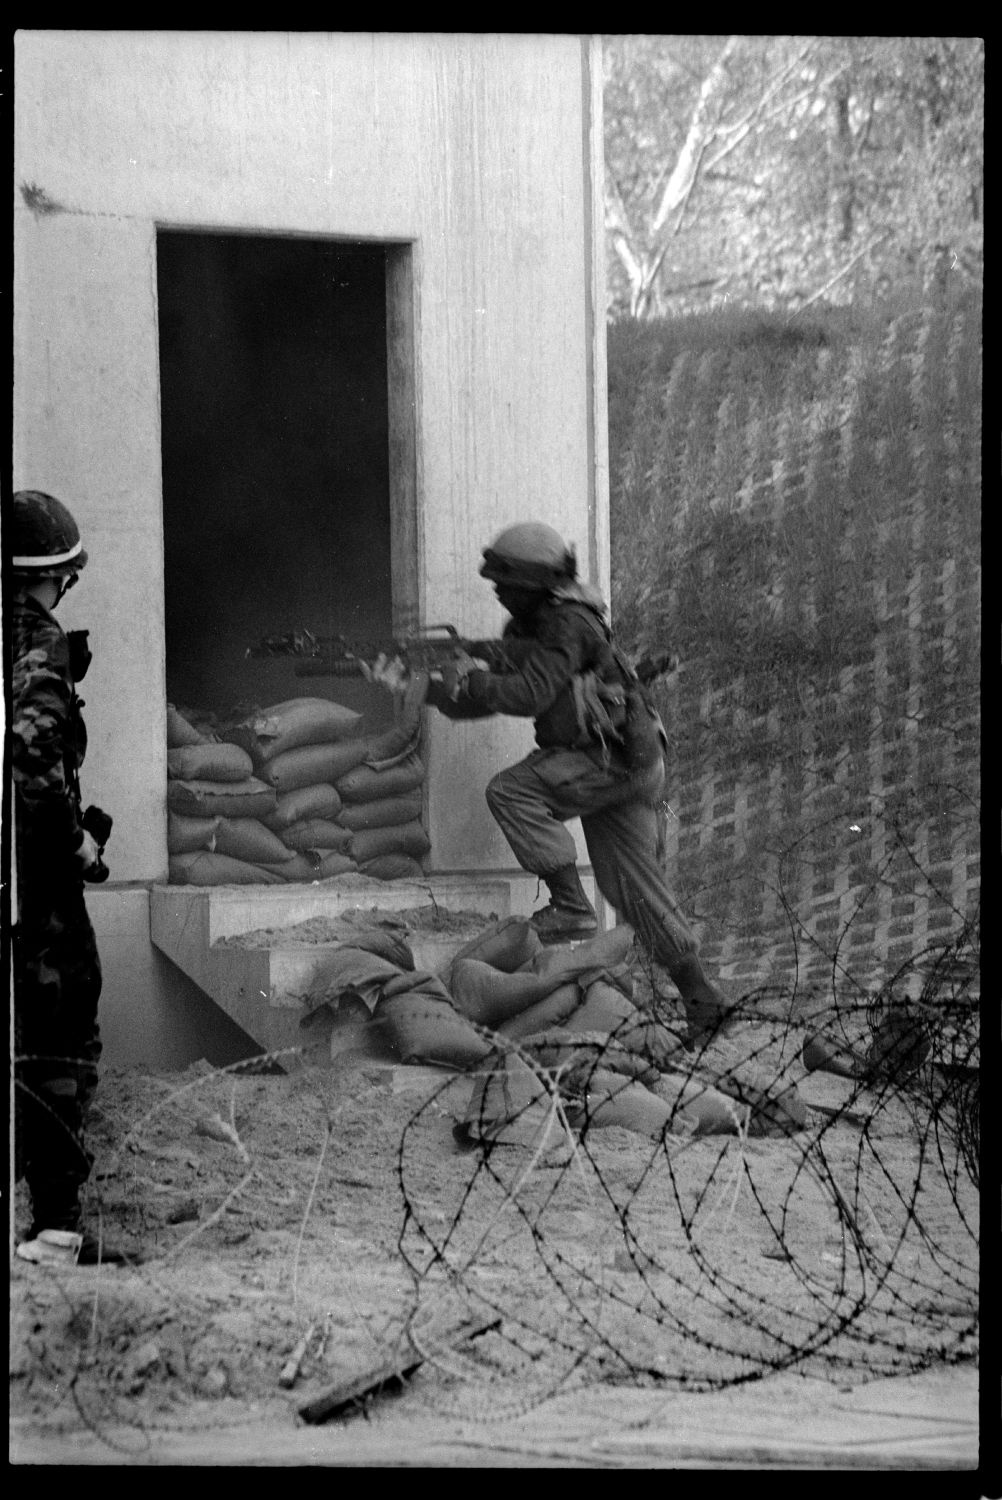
{"x":297,"y":793}
{"x":382,"y":801}
{"x":383,"y":794}
{"x":215,"y":811}
{"x":345,"y":800}
{"x":296,"y":749}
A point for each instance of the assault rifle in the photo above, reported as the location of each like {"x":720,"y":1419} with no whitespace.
{"x":427,"y":649}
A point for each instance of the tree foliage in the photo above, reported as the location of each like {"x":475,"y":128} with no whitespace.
{"x":772,"y":170}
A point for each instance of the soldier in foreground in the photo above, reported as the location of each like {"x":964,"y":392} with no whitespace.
{"x":599,"y":756}
{"x":57,"y":972}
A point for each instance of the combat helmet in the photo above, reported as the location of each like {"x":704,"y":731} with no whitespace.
{"x":529,"y":555}
{"x":44,"y":540}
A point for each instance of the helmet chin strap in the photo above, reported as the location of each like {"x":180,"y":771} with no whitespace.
{"x":65,"y":583}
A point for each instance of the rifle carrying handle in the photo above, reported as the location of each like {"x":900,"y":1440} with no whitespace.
{"x":326,"y":666}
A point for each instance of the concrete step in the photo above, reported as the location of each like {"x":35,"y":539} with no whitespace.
{"x":263,"y":987}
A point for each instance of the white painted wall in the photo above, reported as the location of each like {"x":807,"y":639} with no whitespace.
{"x":473,"y":146}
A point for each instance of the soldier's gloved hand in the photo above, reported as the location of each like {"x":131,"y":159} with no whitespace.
{"x":89,"y":852}
{"x":389,"y":672}
{"x":80,"y":653}
{"x":454,"y":672}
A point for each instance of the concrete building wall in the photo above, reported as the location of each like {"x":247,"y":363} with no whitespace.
{"x":481,"y":152}
{"x":472,"y":147}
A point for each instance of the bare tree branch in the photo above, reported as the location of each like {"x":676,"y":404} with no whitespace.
{"x":769,"y":92}
{"x":757,"y":117}
{"x":680,"y":183}
{"x":617,"y":222}
{"x":878,"y":240}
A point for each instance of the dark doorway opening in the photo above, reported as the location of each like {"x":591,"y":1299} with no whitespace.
{"x":275,"y":441}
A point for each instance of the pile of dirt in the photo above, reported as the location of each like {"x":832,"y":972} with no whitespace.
{"x":432,"y":919}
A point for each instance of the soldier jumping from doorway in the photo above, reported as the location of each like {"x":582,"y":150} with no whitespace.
{"x":57,"y":972}
{"x":558,"y":664}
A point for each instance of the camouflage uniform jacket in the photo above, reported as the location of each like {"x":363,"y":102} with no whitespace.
{"x":536,"y":668}
{"x":48,"y":741}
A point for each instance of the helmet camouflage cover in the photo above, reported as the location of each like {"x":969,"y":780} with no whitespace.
{"x":529,"y":554}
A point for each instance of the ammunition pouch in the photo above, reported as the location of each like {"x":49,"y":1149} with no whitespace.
{"x":600,"y":710}
{"x":645,"y":739}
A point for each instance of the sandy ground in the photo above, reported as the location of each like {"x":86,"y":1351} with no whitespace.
{"x":651,"y":1303}
{"x":265,"y":1206}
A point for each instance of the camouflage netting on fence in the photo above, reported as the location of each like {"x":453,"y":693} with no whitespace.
{"x":796,"y":512}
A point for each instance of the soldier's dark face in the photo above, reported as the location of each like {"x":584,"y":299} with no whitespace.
{"x":517,"y":601}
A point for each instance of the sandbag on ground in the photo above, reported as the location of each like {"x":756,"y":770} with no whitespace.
{"x":412,"y":1012}
{"x":392,"y":867}
{"x":207,"y":799}
{"x":248,"y":838}
{"x":292,"y":724}
{"x":577,"y":1054}
{"x":370,"y":969}
{"x":606,"y":1008}
{"x":388,"y":943}
{"x":310,"y":764}
{"x":607,"y":950}
{"x":776,"y":1106}
{"x":180,"y":732}
{"x":209,"y":762}
{"x":385,"y":813}
{"x":612,"y":1100}
{"x":555,"y":1008}
{"x":508,"y":945}
{"x":186,"y":835}
{"x":510,"y":1103}
{"x":317,"y":801}
{"x":714,"y":1112}
{"x":592,"y":1066}
{"x":767,"y":1088}
{"x":490,"y":997}
{"x":418,"y":1027}
{"x":831,"y":1055}
{"x":216,"y":869}
{"x":900,"y":1044}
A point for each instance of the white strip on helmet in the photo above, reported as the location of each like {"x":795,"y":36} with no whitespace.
{"x":50,"y":560}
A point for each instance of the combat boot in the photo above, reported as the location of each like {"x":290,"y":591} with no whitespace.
{"x":708,"y":1011}
{"x":570,"y":914}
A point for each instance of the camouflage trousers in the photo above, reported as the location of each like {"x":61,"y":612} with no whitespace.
{"x":57,"y":1045}
{"x":531,"y":802}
